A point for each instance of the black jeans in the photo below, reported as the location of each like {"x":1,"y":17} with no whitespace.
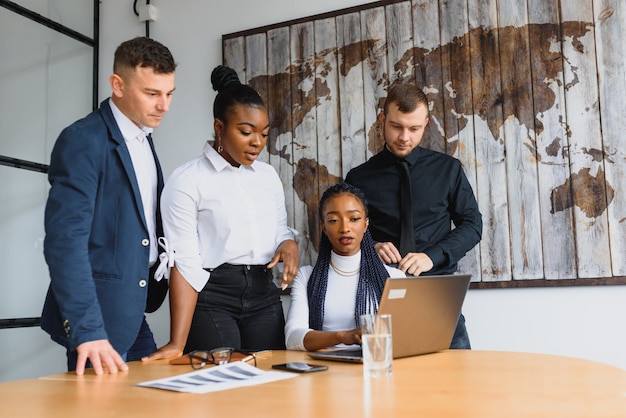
{"x":239,"y":307}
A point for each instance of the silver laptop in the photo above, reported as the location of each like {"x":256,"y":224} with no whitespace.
{"x":424,"y":312}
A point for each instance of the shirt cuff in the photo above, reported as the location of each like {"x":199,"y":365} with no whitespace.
{"x":437,"y":256}
{"x":295,"y":338}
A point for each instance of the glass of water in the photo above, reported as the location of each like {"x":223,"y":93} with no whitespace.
{"x":377,"y":345}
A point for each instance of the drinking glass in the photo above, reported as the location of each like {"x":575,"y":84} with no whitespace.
{"x":377,"y":345}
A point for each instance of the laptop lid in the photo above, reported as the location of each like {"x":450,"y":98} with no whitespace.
{"x":424,"y":312}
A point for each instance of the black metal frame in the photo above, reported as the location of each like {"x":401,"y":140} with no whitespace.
{"x":43,"y":168}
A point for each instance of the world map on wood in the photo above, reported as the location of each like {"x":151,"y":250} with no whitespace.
{"x":528,"y":108}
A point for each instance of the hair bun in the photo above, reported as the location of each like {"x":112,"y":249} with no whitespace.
{"x":223,"y":77}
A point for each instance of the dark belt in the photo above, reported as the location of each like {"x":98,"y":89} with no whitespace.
{"x":239,"y":268}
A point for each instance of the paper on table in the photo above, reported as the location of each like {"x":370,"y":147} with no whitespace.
{"x":213,"y":379}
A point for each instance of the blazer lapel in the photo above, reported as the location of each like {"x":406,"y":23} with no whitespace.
{"x":122,"y":151}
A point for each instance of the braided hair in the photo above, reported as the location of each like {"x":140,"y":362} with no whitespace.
{"x":372,"y":273}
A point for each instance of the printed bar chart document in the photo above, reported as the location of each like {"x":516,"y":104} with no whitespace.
{"x":213,"y":379}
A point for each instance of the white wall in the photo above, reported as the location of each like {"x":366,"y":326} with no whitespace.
{"x":584,"y":322}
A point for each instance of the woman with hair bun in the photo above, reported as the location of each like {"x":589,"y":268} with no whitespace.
{"x":225,"y":223}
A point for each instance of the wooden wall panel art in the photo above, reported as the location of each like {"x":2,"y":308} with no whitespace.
{"x":527,"y":94}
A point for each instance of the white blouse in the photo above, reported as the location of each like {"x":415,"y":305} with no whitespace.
{"x":339,"y":304}
{"x":214,"y":213}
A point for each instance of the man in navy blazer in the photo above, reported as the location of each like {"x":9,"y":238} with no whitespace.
{"x":101,"y":216}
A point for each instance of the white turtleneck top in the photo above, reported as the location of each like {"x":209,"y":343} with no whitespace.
{"x":340,"y":300}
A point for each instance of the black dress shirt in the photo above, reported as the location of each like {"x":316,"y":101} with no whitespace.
{"x":442,"y":195}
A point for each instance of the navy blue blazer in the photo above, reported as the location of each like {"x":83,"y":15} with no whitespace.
{"x":97,"y":242}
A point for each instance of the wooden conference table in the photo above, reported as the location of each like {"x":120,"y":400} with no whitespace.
{"x":445,"y":384}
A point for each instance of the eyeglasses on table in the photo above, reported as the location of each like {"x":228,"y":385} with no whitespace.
{"x":221,"y":355}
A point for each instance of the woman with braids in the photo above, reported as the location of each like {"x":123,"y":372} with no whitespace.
{"x":225,"y":222}
{"x":346,"y":281}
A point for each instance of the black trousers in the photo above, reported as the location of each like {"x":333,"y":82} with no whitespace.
{"x":239,"y":307}
{"x":460,"y":339}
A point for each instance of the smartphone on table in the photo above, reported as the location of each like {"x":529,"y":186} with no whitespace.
{"x":299,"y":367}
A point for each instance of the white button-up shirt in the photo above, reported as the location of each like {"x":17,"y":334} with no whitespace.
{"x":214,"y":213}
{"x":145,"y":170}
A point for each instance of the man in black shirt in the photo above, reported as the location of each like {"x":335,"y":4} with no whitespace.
{"x":439,"y":195}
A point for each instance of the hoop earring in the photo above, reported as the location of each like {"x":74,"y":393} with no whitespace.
{"x":219,"y":147}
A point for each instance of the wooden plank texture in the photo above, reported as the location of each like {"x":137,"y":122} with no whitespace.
{"x":327,"y":138}
{"x":459,"y":109}
{"x":519,"y":141}
{"x":350,"y":48}
{"x":327,"y":108}
{"x":256,"y":65}
{"x":374,"y":71}
{"x":280,"y":141}
{"x":583,"y":121}
{"x":399,"y":28}
{"x":610,"y":25}
{"x":426,"y":55}
{"x":235,"y":56}
{"x":491,"y":193}
{"x":527,"y":94}
{"x":557,"y":232}
{"x":306,"y":176}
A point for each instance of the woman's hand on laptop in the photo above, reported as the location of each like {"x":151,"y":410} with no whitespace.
{"x":315,"y":340}
{"x":350,"y":337}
